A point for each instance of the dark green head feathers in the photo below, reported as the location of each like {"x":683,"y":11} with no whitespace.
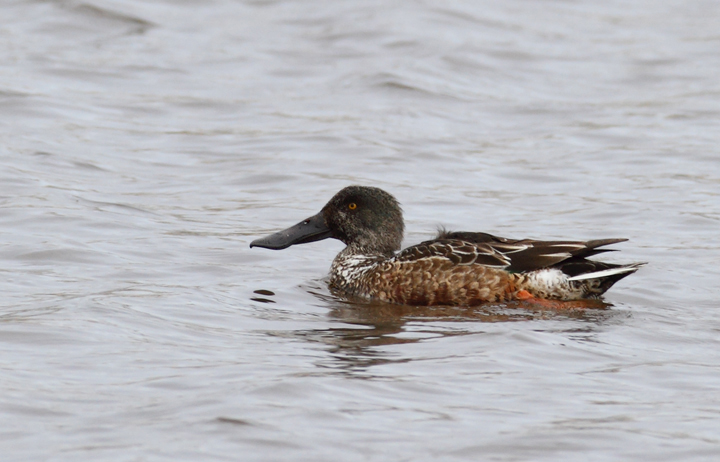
{"x":367,"y":218}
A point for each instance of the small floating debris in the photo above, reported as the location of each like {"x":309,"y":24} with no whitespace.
{"x":264,"y":292}
{"x":268,"y":293}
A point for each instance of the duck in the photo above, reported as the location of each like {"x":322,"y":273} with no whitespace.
{"x":456,"y":268}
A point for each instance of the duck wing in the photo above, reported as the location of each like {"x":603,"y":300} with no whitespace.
{"x":514,"y":255}
{"x":459,"y":252}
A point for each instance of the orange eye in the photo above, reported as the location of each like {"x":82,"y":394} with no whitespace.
{"x":352,"y":205}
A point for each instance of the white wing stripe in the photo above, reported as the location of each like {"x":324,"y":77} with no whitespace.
{"x":604,"y":273}
{"x":573,"y":246}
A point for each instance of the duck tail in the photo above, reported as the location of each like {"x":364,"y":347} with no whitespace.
{"x":598,"y":282}
{"x":616,"y":273}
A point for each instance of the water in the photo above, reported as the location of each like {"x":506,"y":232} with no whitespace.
{"x":145,"y":144}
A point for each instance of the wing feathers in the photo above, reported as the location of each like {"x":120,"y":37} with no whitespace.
{"x":459,"y":252}
{"x":467,"y":248}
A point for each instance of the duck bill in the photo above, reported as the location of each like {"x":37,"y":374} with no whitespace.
{"x":309,"y":230}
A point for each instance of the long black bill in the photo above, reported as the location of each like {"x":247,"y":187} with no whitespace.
{"x":309,"y":230}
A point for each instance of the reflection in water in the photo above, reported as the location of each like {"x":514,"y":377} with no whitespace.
{"x":376,"y":324}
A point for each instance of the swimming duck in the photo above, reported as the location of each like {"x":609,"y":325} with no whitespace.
{"x":455,"y":268}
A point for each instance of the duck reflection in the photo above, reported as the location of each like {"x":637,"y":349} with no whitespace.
{"x":364,"y":327}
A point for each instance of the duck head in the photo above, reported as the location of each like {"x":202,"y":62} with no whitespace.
{"x":363,"y":217}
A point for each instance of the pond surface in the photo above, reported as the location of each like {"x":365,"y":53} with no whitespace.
{"x":144,"y":144}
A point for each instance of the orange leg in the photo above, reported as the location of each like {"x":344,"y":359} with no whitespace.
{"x":524,"y":295}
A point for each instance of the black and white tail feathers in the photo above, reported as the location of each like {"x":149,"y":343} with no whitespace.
{"x":570,"y":257}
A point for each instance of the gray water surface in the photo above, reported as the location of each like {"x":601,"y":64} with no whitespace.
{"x":144,"y":144}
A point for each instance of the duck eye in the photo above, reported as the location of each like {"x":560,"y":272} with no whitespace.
{"x":352,"y":205}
